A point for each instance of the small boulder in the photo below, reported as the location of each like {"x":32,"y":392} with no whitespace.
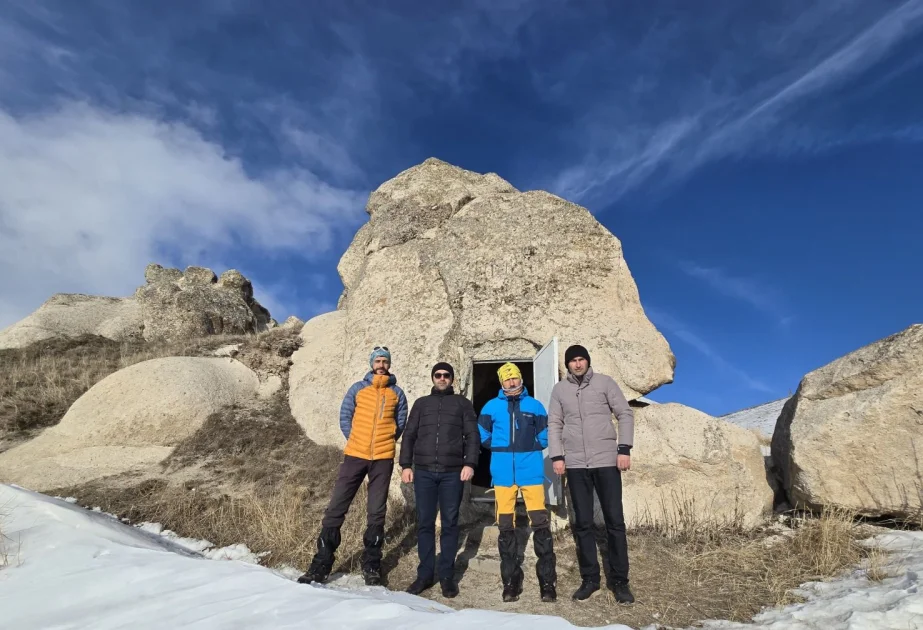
{"x":688,"y":467}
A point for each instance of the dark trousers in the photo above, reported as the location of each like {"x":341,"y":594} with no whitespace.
{"x":607,"y":482}
{"x":352,"y":472}
{"x":432,"y":490}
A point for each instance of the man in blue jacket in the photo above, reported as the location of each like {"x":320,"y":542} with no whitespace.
{"x":514,"y":426}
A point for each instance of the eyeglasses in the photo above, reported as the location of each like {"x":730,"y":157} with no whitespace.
{"x":385,"y":348}
{"x":440,"y":375}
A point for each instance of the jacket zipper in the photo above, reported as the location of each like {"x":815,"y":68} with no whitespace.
{"x":438,"y":416}
{"x":513,"y":438}
{"x":586,"y":452}
{"x":375,"y":416}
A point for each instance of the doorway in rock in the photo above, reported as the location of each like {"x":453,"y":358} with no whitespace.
{"x":486,"y":385}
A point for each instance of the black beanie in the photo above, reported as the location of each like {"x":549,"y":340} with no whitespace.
{"x":576,"y":351}
{"x":442,"y":365}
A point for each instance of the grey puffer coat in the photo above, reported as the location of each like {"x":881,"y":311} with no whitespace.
{"x":580,"y":428}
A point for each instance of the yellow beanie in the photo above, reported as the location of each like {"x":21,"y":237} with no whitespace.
{"x":507,"y":371}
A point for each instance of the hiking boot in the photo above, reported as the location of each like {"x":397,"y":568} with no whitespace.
{"x":586,"y":589}
{"x":419,"y":585}
{"x":313,"y":577}
{"x":449,"y":587}
{"x":622,"y":593}
{"x":511,"y":590}
{"x":372,"y":577}
{"x":548,"y":592}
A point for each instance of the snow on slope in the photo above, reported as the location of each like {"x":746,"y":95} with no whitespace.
{"x":76,"y":568}
{"x":761,"y":417}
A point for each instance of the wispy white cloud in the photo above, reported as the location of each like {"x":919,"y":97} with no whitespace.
{"x":89,"y":197}
{"x":746,"y":101}
{"x":681,"y":331}
{"x":749,"y":290}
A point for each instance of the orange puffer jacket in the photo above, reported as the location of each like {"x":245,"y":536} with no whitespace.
{"x":372,"y":417}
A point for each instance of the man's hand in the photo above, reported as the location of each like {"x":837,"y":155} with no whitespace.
{"x":407,"y":475}
{"x":467,"y":473}
{"x":558,"y":467}
{"x":623,"y":462}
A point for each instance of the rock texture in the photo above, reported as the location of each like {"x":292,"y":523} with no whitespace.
{"x":75,"y":315}
{"x":171,"y":305}
{"x":852,"y":435}
{"x":690,"y":467}
{"x":458,"y":266}
{"x":195,"y":303}
{"x":131,"y":418}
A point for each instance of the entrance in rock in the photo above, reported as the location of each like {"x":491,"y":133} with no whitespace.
{"x":486,"y":385}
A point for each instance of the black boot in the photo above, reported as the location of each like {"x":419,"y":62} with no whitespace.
{"x":327,"y":543}
{"x":622,"y":593}
{"x":373,"y":540}
{"x":545,"y":570}
{"x":449,"y":587}
{"x":419,"y":585}
{"x":510,"y":571}
{"x":587,"y":588}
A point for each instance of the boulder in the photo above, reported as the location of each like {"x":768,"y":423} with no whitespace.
{"x":134,"y":417}
{"x":850,"y":437}
{"x":689,"y":468}
{"x":458,"y":266}
{"x":75,"y":315}
{"x":293,"y":323}
{"x":194,"y":303}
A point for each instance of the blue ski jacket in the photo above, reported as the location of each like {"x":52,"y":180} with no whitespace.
{"x":515,"y":429}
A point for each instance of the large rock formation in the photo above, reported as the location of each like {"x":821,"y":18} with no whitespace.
{"x":458,"y":266}
{"x":852,"y":435}
{"x":195,"y":303}
{"x":689,"y":468}
{"x":76,"y":315}
{"x":171,"y":305}
{"x":134,"y":417}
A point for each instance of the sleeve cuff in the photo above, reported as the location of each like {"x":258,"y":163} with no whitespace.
{"x":558,"y":458}
{"x":625,"y":449}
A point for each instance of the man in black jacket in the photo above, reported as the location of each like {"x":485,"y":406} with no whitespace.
{"x":439,"y":451}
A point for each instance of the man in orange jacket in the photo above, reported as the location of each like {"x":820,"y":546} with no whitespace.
{"x":372,"y":418}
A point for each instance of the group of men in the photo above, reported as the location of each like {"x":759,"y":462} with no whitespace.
{"x":442,"y":441}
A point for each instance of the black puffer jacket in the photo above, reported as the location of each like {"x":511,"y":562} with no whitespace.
{"x":441,"y":433}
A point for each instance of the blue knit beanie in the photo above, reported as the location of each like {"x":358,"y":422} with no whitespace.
{"x":379,"y":352}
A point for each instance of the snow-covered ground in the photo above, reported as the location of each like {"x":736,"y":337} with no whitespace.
{"x":74,"y":568}
{"x":761,"y":418}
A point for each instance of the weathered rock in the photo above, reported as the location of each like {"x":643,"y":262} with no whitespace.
{"x":131,"y":418}
{"x":850,"y":437}
{"x":458,"y":266}
{"x":198,"y":304}
{"x":293,"y":323}
{"x":688,"y":467}
{"x":75,"y":315}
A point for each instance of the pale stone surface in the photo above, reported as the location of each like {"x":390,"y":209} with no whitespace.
{"x":459,"y":266}
{"x":74,"y":315}
{"x":851,"y":435}
{"x":131,"y":418}
{"x":685,"y":461}
{"x":198,"y":304}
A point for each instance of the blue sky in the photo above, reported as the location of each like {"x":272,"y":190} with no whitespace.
{"x":759,"y":161}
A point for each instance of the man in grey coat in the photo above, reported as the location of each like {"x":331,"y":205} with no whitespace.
{"x":583,"y":442}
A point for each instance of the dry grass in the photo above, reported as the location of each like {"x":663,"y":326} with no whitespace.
{"x":38,"y":384}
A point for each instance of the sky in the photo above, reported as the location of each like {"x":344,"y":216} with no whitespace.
{"x":758,"y":161}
